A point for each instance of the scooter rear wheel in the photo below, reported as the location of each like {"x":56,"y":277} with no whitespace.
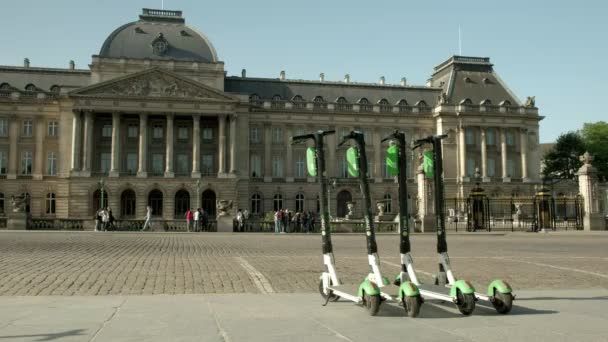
{"x":465,"y":302}
{"x":331,"y":295}
{"x":372,"y":303}
{"x":412,"y":305}
{"x":503,"y":302}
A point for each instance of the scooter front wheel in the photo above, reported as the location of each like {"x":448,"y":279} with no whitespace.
{"x":503,"y":302}
{"x":331,"y":295}
{"x":372,"y":303}
{"x":412,"y":305}
{"x":465,"y":302}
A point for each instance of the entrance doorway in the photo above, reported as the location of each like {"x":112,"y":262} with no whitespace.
{"x":208,"y":202}
{"x":343,"y":198}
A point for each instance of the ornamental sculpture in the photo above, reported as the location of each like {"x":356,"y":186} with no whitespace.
{"x":223,"y":206}
{"x":155,"y":85}
{"x":20,"y":202}
{"x":530,"y":102}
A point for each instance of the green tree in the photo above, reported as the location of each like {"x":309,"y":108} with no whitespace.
{"x":595,"y":137}
{"x":562,"y":161}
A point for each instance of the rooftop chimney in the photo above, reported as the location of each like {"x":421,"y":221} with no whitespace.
{"x":322,"y":77}
{"x":244,"y":73}
{"x":382,"y":80}
{"x":403,"y":81}
{"x":282,"y":75}
{"x":72,"y":65}
{"x":26,"y":62}
{"x":347,"y":78}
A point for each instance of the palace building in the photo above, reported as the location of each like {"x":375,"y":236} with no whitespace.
{"x":158,"y":121}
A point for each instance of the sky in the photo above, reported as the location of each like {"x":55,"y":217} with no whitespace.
{"x":554,"y":50}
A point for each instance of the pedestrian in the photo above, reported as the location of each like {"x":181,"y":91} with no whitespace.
{"x":189,"y":217}
{"x":312,"y":217}
{"x":239,"y":220}
{"x":277,"y":221}
{"x":98,"y":219}
{"x":197,"y":220}
{"x":283,"y":221}
{"x":148,"y":219}
{"x":105,"y":219}
{"x":204,"y":220}
{"x":111,"y":220}
{"x":246,"y":220}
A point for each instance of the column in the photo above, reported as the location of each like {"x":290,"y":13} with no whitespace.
{"x":462,"y":148}
{"x":331,"y":148}
{"x":267,"y":153}
{"x":115,"y":163}
{"x":12,"y":153}
{"x":196,"y":146}
{"x":503,"y":155}
{"x":142,"y":154}
{"x":87,"y":153}
{"x":76,"y":141}
{"x":233,"y":134}
{"x":484,"y":156}
{"x":377,"y":155}
{"x":289,"y":155}
{"x":169,"y":148}
{"x":39,"y":152}
{"x":222,"y":145}
{"x":523,"y":150}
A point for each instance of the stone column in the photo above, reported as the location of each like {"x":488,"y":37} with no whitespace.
{"x":76,"y":142}
{"x":233,"y":149}
{"x":169,"y":148}
{"x":289,"y":167}
{"x":12,"y":153}
{"x":377,"y":155}
{"x":589,"y":190}
{"x":503,"y":155}
{"x":484,"y":156}
{"x":222,"y":145}
{"x":267,"y":153}
{"x":462,"y":151}
{"x":87,"y":153}
{"x":523,"y":150}
{"x":196,"y":146}
{"x":115,"y":163}
{"x":39,"y":153}
{"x":142,"y":155}
{"x":426,"y":216}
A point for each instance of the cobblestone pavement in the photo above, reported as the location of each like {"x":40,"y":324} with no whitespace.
{"x":88,"y":263}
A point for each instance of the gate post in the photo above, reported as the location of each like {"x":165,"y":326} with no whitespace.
{"x":589,"y":190}
{"x":425,"y":213}
{"x":545,"y":215}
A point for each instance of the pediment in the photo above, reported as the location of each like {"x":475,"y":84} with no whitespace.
{"x":153,"y":83}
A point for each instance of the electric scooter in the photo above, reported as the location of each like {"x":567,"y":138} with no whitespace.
{"x":461,"y":292}
{"x":330,"y":287}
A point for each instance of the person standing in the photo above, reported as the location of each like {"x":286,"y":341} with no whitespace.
{"x":105,"y":219}
{"x":98,"y":219}
{"x":111,"y":220}
{"x":148,"y":219}
{"x":239,"y":220}
{"x":197,"y":220}
{"x":277,"y":220}
{"x":189,"y":217}
{"x":204,"y":220}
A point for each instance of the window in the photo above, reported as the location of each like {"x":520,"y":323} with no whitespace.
{"x":256,"y":204}
{"x":207,"y":133}
{"x":490,"y":137}
{"x":127,"y":203}
{"x":469,"y":136}
{"x":28,"y":128}
{"x":403,"y":106}
{"x":343,"y":105}
{"x":490,"y":167}
{"x":182,"y":164}
{"x":255,"y":99}
{"x":207,"y":164}
{"x":3,"y":127}
{"x":366,"y":136}
{"x":182,"y":133}
{"x":385,"y":106}
{"x":1,"y":204}
{"x":155,"y":201}
{"x":2,"y":162}
{"x":157,"y":163}
{"x":55,"y":89}
{"x":298,"y":102}
{"x":385,"y":173}
{"x":299,"y":202}
{"x":277,"y":166}
{"x":26,"y":163}
{"x":30,"y":88}
{"x":132,"y":131}
{"x":277,"y":135}
{"x":510,"y":168}
{"x":50,"y":203}
{"x":132,"y":162}
{"x":277,"y":202}
{"x":51,"y":164}
{"x":100,"y":200}
{"x":510,"y":139}
{"x":157,"y":131}
{"x":470,"y":167}
{"x":277,"y":102}
{"x":300,"y":166}
{"x":299,"y":131}
{"x":319,"y":103}
{"x":52,"y":128}
{"x":105,"y":161}
{"x":364,"y":105}
{"x":256,"y":166}
{"x":388,"y":203}
{"x":254,"y":135}
{"x":182,"y":203}
{"x":106,"y":131}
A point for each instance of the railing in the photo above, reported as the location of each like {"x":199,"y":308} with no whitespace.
{"x":55,"y":224}
{"x":263,"y":226}
{"x":3,"y":222}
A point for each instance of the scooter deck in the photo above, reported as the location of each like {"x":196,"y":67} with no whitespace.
{"x":347,"y":291}
{"x":435,"y":292}
{"x":390,"y":292}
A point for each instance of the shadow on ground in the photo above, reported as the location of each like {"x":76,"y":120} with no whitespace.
{"x":49,"y":336}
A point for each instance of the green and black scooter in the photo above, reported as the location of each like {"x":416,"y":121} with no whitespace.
{"x":447,"y":287}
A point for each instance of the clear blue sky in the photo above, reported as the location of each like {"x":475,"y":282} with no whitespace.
{"x":555,"y":50}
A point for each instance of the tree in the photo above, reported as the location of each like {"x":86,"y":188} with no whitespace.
{"x":562,"y":161}
{"x":595,"y":137}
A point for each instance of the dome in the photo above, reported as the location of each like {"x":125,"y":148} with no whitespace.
{"x":159,"y":34}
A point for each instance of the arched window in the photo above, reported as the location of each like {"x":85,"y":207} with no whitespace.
{"x":364,"y":105}
{"x":256,"y":204}
{"x":277,"y":202}
{"x":388,"y":203}
{"x":299,"y":202}
{"x":319,"y":102}
{"x":255,"y":99}
{"x":182,"y":203}
{"x":55,"y":89}
{"x":385,"y":106}
{"x":97,"y":201}
{"x":5,"y":87}
{"x":155,"y":201}
{"x":1,"y":204}
{"x":277,"y":102}
{"x":486,"y":102}
{"x":127,"y":203}
{"x":343,"y":105}
{"x":506,"y":103}
{"x":31,"y":88}
{"x":298,"y":102}
{"x":403,"y":106}
{"x":50,"y":203}
{"x":466,"y":102}
{"x":208,"y":202}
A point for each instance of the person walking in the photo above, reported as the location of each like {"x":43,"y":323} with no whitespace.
{"x":98,"y":220}
{"x":197,"y":220}
{"x":189,"y":216}
{"x":239,"y":220}
{"x":277,"y":220}
{"x":105,"y":220}
{"x":111,"y":220}
{"x":148,"y":219}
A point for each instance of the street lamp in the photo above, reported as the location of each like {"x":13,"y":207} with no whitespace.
{"x":198,"y":193}
{"x":332,"y":185}
{"x":102,"y":186}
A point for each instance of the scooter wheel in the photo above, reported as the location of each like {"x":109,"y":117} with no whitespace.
{"x":372,"y":303}
{"x":503,"y":302}
{"x":331,"y":295}
{"x":465,"y":302}
{"x":412,"y":305}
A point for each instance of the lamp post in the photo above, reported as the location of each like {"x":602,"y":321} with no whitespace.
{"x":198,"y":193}
{"x":332,"y":185}
{"x":102,"y":186}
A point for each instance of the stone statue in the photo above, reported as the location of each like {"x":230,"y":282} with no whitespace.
{"x":443,"y":98}
{"x":530,"y":102}
{"x":223,"y":206}
{"x":350,"y":206}
{"x":380,"y":206}
{"x":20,"y":202}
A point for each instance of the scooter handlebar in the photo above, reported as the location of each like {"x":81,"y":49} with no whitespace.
{"x":298,"y":139}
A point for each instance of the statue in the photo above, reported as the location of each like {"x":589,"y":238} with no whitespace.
{"x":443,"y":98}
{"x":223,"y":206}
{"x":20,"y":202}
{"x":350,"y":206}
{"x":380,"y":206}
{"x":530,"y":102}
